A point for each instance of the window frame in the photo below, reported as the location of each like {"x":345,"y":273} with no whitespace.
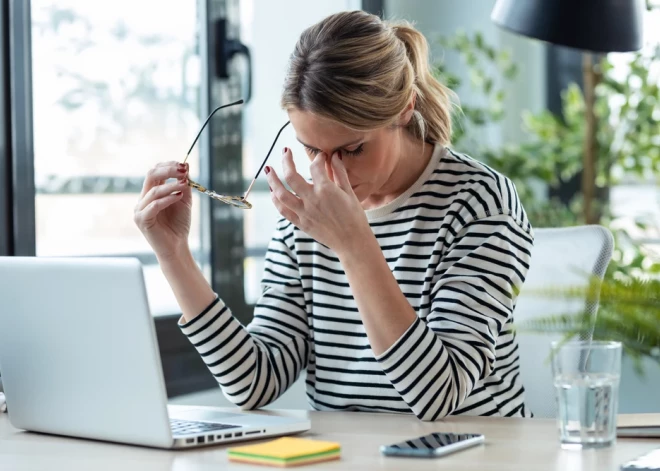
{"x":6,"y":206}
{"x":17,"y":154}
{"x":184,"y":371}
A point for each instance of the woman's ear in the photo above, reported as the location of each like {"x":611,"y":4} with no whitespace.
{"x":407,"y":114}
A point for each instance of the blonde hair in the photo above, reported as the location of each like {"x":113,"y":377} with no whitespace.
{"x":361,"y":71}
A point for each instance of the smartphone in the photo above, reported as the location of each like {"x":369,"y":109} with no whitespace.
{"x":433,"y":445}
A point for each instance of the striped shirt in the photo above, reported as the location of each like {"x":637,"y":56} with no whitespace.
{"x":458,"y":243}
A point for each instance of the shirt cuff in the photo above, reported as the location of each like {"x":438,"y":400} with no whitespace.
{"x":404,"y":346}
{"x":199,"y":322}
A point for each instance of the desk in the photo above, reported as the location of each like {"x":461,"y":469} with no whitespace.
{"x":511,"y":444}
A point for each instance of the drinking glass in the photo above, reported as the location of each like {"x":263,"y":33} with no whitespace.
{"x":586,"y":377}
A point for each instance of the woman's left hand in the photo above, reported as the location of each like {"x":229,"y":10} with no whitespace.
{"x":327,"y":209}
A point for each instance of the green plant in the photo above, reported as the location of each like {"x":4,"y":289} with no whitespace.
{"x":627,"y":109}
{"x":629,"y":312}
{"x":628,"y":138}
{"x":486,"y":68}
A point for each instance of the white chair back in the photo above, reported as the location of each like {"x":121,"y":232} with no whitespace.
{"x":562,"y":257}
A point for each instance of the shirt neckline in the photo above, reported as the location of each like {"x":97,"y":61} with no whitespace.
{"x":389,"y":208}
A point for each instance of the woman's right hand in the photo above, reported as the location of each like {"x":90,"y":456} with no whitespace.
{"x":163,"y":210}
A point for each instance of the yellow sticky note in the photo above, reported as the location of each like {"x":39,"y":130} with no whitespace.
{"x":285,"y":452}
{"x":287,"y":448}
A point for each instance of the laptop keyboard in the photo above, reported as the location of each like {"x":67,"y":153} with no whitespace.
{"x":191,"y":427}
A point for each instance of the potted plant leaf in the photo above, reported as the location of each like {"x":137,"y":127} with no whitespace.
{"x":629,"y":312}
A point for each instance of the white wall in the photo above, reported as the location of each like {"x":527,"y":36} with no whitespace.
{"x":448,"y":17}
{"x":639,"y":394}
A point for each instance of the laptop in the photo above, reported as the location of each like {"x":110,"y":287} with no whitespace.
{"x":79,"y":357}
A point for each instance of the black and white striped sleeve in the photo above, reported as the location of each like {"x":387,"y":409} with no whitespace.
{"x":255,"y":365}
{"x":436,"y":364}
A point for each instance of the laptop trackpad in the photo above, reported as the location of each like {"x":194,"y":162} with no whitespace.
{"x":204,"y":414}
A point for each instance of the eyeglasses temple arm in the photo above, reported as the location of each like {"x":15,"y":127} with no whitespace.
{"x":264,"y":162}
{"x":239,"y":102}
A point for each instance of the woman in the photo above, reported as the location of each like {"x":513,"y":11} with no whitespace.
{"x":392,"y":277}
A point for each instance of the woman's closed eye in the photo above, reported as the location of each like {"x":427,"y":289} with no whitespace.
{"x":353,"y":153}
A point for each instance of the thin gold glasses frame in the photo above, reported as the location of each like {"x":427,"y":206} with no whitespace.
{"x":236,"y":201}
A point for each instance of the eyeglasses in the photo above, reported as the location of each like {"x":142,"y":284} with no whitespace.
{"x":237,"y":201}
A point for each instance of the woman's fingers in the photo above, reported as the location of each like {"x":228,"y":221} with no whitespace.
{"x":339,"y":171}
{"x":317,"y":169}
{"x":280,"y":193}
{"x":160,"y":173}
{"x":291,"y":175}
{"x":288,"y":214}
{"x":161,"y":191}
{"x":150,"y":212}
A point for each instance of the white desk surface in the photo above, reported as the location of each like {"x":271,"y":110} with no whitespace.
{"x":511,"y":444}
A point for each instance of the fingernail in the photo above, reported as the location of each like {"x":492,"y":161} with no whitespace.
{"x":286,"y":149}
{"x":181,"y":170}
{"x":176,"y":193}
{"x":182,"y":166}
{"x":341,"y":157}
{"x":267,"y":170}
{"x":183,"y":180}
{"x":271,"y":190}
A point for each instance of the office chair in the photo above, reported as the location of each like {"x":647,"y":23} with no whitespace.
{"x":561,"y":258}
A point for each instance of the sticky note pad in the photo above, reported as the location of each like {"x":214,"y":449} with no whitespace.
{"x":286,"y":451}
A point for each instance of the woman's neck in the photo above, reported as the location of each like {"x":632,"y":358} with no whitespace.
{"x":413,"y":157}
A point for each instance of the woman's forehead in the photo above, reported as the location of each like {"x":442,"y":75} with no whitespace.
{"x":321,"y":133}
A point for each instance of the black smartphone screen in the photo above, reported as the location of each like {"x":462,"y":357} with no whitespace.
{"x":428,"y":445}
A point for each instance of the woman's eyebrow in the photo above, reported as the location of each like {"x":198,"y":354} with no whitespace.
{"x":348,"y":144}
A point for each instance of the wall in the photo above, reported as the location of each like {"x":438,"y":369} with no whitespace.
{"x":448,"y":17}
{"x":639,"y":394}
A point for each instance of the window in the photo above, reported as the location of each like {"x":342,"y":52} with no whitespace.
{"x":271,"y":42}
{"x":116,"y":89}
{"x":637,"y":198}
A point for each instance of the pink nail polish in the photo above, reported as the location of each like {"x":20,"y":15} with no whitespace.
{"x":267,"y":170}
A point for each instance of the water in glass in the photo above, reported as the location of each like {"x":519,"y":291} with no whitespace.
{"x":587,"y":409}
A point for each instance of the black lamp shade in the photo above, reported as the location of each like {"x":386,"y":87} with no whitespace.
{"x":592,"y":25}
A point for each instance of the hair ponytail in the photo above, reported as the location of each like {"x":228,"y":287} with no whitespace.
{"x":362,"y":72}
{"x":432,"y":116}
